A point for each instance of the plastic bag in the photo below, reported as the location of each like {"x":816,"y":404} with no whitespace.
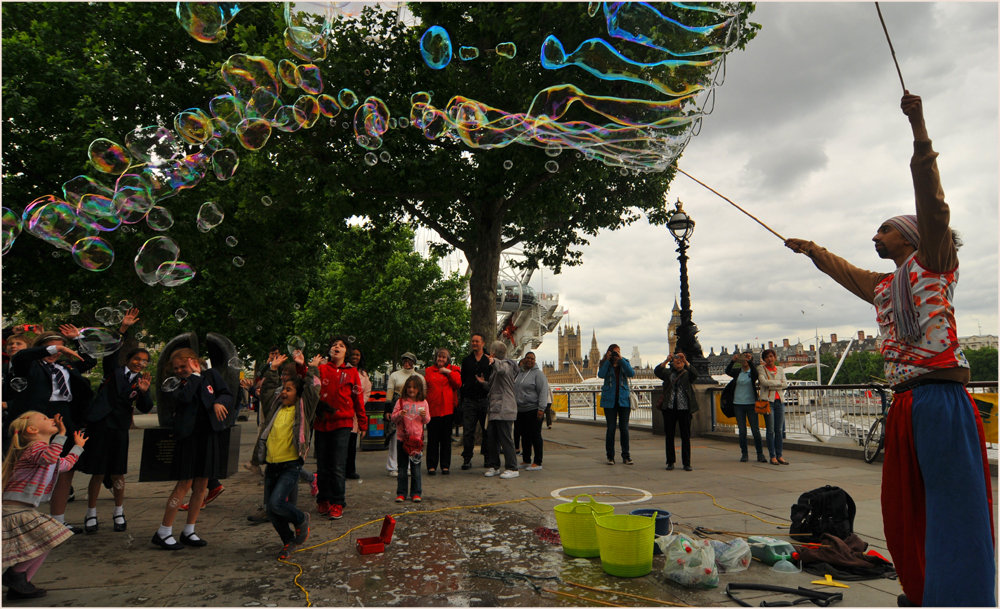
{"x":732,"y":556}
{"x":689,"y":562}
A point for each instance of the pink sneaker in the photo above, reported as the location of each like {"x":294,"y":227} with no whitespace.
{"x":314,"y":487}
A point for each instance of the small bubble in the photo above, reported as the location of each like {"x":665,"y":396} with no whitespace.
{"x":344,"y":125}
{"x":171,"y":384}
{"x":351,"y":339}
{"x":266,"y":201}
{"x":368,"y":72}
{"x":551,"y":166}
{"x":231,"y":241}
{"x":55,"y":254}
{"x":180,"y":314}
{"x":237,"y":261}
{"x":508,"y":164}
{"x":579,"y":156}
{"x":296,"y":306}
{"x":623,"y":171}
{"x":368,"y":82}
{"x":74,"y":307}
{"x":553,"y":150}
{"x":259,"y":328}
{"x":315,"y":346}
{"x":384,"y":156}
{"x":236,"y":363}
{"x":404,"y":122}
{"x":18,"y":384}
{"x":371,"y":159}
{"x":125,"y":304}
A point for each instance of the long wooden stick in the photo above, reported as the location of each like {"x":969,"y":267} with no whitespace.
{"x":645,"y":598}
{"x":730,"y":202}
{"x":891,"y":50}
{"x":582,"y":598}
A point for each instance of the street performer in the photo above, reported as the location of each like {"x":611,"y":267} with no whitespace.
{"x":935,"y":472}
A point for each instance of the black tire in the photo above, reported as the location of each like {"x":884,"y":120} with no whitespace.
{"x":874,"y":440}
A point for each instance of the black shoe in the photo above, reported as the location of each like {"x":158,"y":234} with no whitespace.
{"x":354,"y":476}
{"x":688,"y":468}
{"x":761,"y":459}
{"x":14,"y":595}
{"x":120,"y":527}
{"x":194,"y":543}
{"x":431,"y":472}
{"x":445,"y":472}
{"x":467,"y":465}
{"x":670,"y":467}
{"x":72,"y":495}
{"x":74,"y":530}
{"x":744,"y":459}
{"x":159,"y":541}
{"x":87,"y":526}
{"x":627,"y":461}
{"x":18,"y":581}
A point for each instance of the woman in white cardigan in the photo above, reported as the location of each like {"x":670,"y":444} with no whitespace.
{"x":771,"y":381}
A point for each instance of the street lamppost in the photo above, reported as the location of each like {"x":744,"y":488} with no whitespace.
{"x":682,"y":227}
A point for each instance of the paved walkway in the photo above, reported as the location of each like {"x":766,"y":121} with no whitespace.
{"x":440,"y":555}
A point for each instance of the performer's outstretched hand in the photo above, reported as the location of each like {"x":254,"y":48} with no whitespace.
{"x":913,"y":108}
{"x":796,"y":245}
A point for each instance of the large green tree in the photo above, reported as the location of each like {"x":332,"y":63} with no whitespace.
{"x":374,"y":287}
{"x":983,"y":363}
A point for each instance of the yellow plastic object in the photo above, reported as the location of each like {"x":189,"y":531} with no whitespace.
{"x":576,"y":526}
{"x":828,"y":581}
{"x":626,"y":544}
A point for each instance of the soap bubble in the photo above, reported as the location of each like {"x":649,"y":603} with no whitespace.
{"x":98,"y":342}
{"x":11,"y":228}
{"x":172,"y":383}
{"x":551,"y":166}
{"x":172,"y":274}
{"x":328,"y":107}
{"x":347,"y":99}
{"x":351,"y":339}
{"x":259,"y":328}
{"x":623,"y":171}
{"x":384,"y":156}
{"x":93,"y":254}
{"x":152,"y":254}
{"x":435,"y":47}
{"x":124,"y":304}
{"x":238,"y":262}
{"x":253,"y":133}
{"x":159,"y":218}
{"x":236,"y":363}
{"x":309,"y":79}
{"x":206,"y":21}
{"x":506,"y":49}
{"x":315,"y":346}
{"x":210,"y":215}
{"x":468,"y":53}
{"x":224,"y":163}
{"x":56,"y":254}
{"x":371,"y":159}
{"x":231,"y":241}
{"x":18,"y":384}
{"x":295,"y":343}
{"x":109,"y":316}
{"x":403,"y":123}
{"x":74,"y":307}
{"x":296,"y":306}
{"x":180,"y":314}
{"x":193,"y":125}
{"x":108,"y":157}
{"x":553,"y":150}
{"x":508,"y":164}
{"x":154,"y":145}
{"x":266,"y":201}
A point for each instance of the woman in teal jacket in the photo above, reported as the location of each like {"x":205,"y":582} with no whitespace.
{"x":616,"y":370}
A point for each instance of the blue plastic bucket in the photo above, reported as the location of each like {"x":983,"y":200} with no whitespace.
{"x":662,"y":525}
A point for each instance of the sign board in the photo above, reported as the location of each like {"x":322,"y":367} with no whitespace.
{"x":987,"y":404}
{"x":157,"y":462}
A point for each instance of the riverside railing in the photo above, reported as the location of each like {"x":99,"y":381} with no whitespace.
{"x":577,"y":402}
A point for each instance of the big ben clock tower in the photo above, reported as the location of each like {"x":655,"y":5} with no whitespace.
{"x":675,"y":322}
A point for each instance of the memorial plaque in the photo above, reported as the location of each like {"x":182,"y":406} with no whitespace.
{"x":158,"y":444}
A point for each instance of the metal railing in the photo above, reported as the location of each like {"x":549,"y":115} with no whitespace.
{"x":836,"y":413}
{"x":580,"y":402}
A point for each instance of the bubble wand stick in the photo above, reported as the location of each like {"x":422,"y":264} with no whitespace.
{"x":730,"y":202}
{"x":891,"y":50}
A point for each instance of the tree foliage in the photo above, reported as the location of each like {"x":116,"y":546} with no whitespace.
{"x":983,"y":362}
{"x":373,"y":286}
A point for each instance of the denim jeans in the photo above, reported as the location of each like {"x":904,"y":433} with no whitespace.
{"x":747,"y":415}
{"x":473,"y":412}
{"x":402,"y":479}
{"x":775,"y":421}
{"x":281,"y":491}
{"x":331,"y":465}
{"x":616,"y":417}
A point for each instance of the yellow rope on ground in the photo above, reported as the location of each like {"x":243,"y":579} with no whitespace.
{"x":645,"y":598}
{"x":482,"y":505}
{"x":582,"y":598}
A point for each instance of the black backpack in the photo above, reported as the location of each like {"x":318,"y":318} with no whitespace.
{"x":824,"y":510}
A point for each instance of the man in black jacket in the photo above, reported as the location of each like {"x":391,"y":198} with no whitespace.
{"x":475,"y":399}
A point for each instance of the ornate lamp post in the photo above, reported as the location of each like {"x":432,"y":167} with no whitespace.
{"x":682,"y":227}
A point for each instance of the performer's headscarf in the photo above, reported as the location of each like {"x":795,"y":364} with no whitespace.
{"x":904,"y":312}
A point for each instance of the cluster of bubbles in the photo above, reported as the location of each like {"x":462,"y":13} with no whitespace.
{"x":436,"y":49}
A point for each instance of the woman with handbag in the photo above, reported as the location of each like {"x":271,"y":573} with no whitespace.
{"x":741,"y":392}
{"x":678,"y":405}
{"x":772,"y":381}
{"x":616,"y":400}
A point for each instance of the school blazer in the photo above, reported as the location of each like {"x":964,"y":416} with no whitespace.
{"x":116,"y":397}
{"x":200,"y":392}
{"x":27,"y":364}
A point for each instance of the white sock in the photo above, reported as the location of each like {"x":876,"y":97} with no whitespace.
{"x":91,"y":513}
{"x":118,"y":511}
{"x":60,"y":517}
{"x":165,"y":532}
{"x":189,"y":529}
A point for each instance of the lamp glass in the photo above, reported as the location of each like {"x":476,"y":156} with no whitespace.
{"x":681,"y":226}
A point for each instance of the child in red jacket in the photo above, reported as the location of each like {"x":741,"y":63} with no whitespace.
{"x":341,"y":399}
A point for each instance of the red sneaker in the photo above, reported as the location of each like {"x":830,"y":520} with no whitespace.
{"x":212,"y":494}
{"x":323,"y":507}
{"x":314,"y":487}
{"x":336,"y":512}
{"x":416,"y":499}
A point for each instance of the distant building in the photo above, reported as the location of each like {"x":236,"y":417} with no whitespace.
{"x":978,"y":341}
{"x":635,"y":360}
{"x":573,"y":366}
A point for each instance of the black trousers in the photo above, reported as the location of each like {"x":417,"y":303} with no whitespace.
{"x":352,"y":453}
{"x":528,"y":427}
{"x":439,"y":442}
{"x":681,"y":419}
{"x":473,"y":412}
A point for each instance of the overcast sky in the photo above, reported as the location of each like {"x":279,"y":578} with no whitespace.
{"x":808,"y":136}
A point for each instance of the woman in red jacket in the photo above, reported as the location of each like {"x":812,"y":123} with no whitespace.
{"x":442,"y":380}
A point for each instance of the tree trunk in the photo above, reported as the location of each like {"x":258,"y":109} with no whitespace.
{"x":484,"y":262}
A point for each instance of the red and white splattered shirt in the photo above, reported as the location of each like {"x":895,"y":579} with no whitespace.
{"x":35,"y":473}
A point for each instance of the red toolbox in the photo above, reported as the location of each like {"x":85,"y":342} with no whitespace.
{"x":374,"y":545}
